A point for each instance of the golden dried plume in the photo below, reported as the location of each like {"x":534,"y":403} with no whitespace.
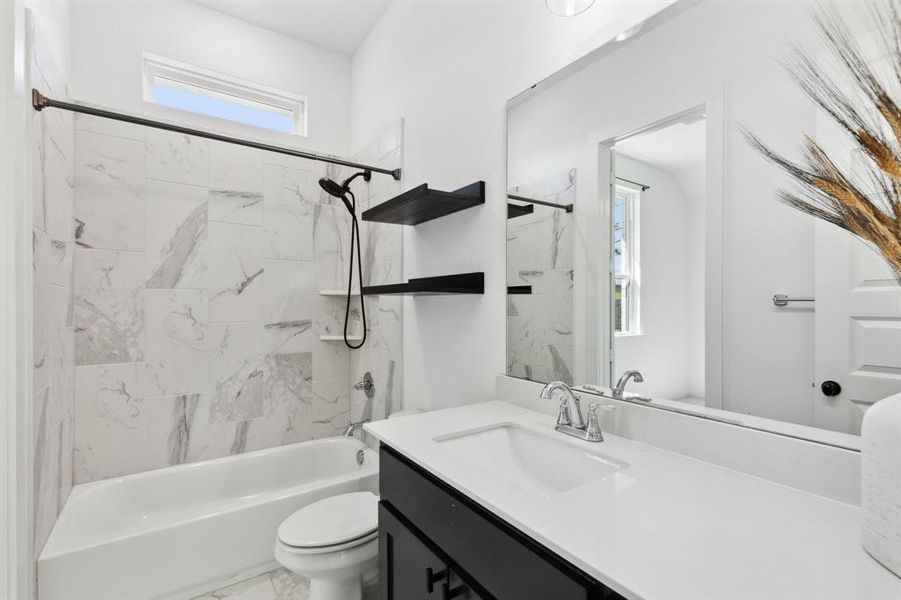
{"x":866,"y":203}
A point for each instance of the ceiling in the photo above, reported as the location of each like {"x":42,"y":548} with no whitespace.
{"x":337,"y":25}
{"x":671,"y":148}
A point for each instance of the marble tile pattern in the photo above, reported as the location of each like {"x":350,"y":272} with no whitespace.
{"x":540,"y":254}
{"x":382,"y":257}
{"x":52,"y":142}
{"x":197,"y":315}
{"x":109,"y":306}
{"x":109,"y":192}
{"x":177,"y":236}
{"x":279,"y":584}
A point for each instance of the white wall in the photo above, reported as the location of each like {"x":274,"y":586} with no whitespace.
{"x":53,"y":19}
{"x":48,"y":21}
{"x":108,"y":38}
{"x":448,"y":69}
{"x":692,"y":181}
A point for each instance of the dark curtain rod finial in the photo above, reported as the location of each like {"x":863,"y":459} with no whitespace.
{"x":641,"y":186}
{"x":39,"y":101}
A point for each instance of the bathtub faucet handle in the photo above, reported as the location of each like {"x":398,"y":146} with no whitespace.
{"x":366,"y":385}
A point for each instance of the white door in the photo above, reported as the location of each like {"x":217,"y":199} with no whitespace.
{"x":858,"y":306}
{"x":858,"y":329}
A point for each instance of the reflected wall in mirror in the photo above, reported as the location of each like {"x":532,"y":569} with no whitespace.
{"x":679,"y":244}
{"x":540,"y":278}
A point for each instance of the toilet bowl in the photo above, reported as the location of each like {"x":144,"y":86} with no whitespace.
{"x":333,"y":542}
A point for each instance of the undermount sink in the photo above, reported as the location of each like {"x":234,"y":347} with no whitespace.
{"x":531,"y":459}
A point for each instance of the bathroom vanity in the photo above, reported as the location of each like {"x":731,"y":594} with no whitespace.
{"x":434,"y":542}
{"x":488,"y":501}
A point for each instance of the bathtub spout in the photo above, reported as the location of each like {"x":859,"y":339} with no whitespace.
{"x":354,"y":426}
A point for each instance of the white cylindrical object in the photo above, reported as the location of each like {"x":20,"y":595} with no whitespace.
{"x":881,"y":482}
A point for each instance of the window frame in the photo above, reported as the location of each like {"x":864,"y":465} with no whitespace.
{"x":222,"y":86}
{"x":629,"y":281}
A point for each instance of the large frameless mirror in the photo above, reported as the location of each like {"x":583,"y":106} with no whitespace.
{"x":645,"y":232}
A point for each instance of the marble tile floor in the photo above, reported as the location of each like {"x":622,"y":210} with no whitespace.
{"x":279,"y":584}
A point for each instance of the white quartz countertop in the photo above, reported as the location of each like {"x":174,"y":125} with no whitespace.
{"x":667,"y":527}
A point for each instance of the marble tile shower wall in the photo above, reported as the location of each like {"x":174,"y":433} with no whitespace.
{"x":53,"y":333}
{"x":540,"y":254}
{"x":382,"y":246}
{"x":198,"y":314}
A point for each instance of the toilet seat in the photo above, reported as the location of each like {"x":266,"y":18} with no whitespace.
{"x":331,"y":524}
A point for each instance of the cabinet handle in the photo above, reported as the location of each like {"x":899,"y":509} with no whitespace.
{"x":433,"y":577}
{"x":447,"y":592}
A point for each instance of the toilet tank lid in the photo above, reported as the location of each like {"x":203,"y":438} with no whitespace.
{"x":331,"y":521}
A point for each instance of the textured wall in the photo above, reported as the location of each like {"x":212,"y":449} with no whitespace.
{"x":540,"y":254}
{"x":53,"y":333}
{"x":198,"y":314}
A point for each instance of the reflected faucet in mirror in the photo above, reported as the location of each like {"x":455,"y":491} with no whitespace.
{"x":623,"y":380}
{"x":619,"y":391}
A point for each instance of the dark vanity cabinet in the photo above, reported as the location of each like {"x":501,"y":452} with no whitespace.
{"x":436,"y":544}
{"x":414,"y":572}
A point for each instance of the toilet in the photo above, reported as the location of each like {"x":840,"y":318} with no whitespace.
{"x":333,"y":542}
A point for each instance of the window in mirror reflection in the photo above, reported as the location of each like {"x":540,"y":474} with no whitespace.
{"x":625,"y":261}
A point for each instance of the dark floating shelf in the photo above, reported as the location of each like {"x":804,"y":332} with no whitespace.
{"x":515,"y":210}
{"x":423,"y":204}
{"x":519,"y":289}
{"x":463,"y":283}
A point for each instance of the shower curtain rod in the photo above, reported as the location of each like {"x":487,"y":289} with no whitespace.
{"x":40,"y":102}
{"x":567,"y":207}
{"x":642,"y":186}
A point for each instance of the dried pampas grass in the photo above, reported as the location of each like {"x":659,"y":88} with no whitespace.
{"x":866,"y":204}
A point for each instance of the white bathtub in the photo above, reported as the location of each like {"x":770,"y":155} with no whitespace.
{"x":185,"y":530}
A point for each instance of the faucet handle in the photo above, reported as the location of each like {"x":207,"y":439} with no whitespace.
{"x":593,"y":433}
{"x":563,"y":416}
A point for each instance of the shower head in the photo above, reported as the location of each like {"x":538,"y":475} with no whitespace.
{"x":337,"y":190}
{"x":332,"y":188}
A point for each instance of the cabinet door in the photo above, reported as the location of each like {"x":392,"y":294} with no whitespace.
{"x":408,"y":570}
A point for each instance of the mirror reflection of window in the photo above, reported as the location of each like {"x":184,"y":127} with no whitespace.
{"x":625,"y":261}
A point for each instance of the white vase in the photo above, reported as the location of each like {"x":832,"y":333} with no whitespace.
{"x":881,"y":482}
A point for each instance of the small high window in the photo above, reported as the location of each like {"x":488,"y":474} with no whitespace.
{"x":193,"y":89}
{"x":625,"y":261}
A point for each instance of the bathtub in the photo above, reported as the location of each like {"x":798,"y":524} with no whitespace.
{"x":182,"y":531}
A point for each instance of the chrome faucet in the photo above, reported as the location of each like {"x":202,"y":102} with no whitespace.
{"x":591,"y":431}
{"x":351,"y":427}
{"x":620,"y":388}
{"x":568,"y":397}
